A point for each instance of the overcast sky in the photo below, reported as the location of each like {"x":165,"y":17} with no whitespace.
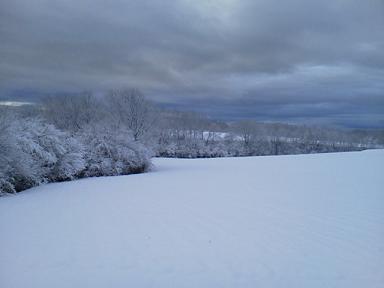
{"x":301,"y":61}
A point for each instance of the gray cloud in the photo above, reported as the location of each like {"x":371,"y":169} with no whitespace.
{"x":296,"y":60}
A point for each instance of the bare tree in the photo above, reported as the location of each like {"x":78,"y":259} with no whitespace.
{"x":246,"y":129}
{"x":71,"y":112}
{"x":130,"y":109}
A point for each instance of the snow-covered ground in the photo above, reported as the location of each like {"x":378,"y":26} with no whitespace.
{"x":285,"y":221}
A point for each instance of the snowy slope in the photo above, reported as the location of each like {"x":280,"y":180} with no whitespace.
{"x":286,"y":221}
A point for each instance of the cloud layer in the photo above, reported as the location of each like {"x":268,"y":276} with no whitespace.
{"x":316,"y":61}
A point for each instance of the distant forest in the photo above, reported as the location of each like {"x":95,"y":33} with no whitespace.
{"x":67,"y":137}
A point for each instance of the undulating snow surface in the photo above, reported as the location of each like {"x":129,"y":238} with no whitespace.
{"x":285,"y":221}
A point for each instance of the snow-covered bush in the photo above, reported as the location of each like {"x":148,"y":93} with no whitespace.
{"x":55,"y":155}
{"x":10,"y":160}
{"x":110,"y":152}
{"x":34,"y":152}
{"x":112,"y":129}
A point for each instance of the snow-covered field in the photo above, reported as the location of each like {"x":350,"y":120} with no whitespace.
{"x":286,"y":221}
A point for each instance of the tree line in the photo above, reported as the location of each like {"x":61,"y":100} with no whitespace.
{"x":74,"y":136}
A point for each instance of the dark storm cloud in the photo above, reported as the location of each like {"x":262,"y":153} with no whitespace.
{"x":270,"y":60}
